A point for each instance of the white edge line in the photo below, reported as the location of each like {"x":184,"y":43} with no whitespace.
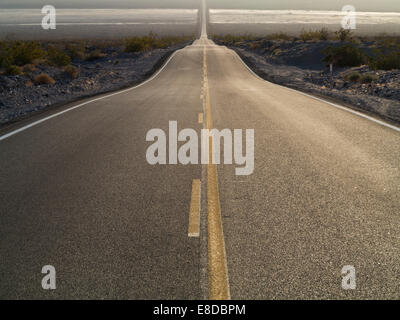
{"x":362,"y":115}
{"x":3,"y":137}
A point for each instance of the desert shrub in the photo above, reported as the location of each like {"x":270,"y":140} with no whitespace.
{"x":230,"y":39}
{"x":75,"y":50}
{"x":277,"y":52}
{"x":368,"y":78}
{"x":344,"y":34}
{"x":305,"y":35}
{"x":19,"y":53}
{"x":57,"y":57}
{"x":95,"y":55}
{"x":37,"y":62}
{"x":152,"y":41}
{"x":353,"y":77}
{"x":385,"y":61}
{"x":387,"y":41}
{"x":12,"y":70}
{"x":25,"y":52}
{"x":29,"y":84}
{"x":28,"y":68}
{"x":155,"y":42}
{"x":4,"y":60}
{"x":344,"y":56}
{"x":137,"y":44}
{"x":72,"y":71}
{"x":323,"y":34}
{"x":278,"y":36}
{"x":2,"y":54}
{"x":248,"y":37}
{"x":254,"y":45}
{"x":355,"y":41}
{"x":134,"y":45}
{"x":43,"y":78}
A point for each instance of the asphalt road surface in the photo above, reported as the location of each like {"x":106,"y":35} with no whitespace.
{"x":77,"y":193}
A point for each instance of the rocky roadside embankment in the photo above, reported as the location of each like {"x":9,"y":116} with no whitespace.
{"x":21,"y":97}
{"x":300,"y":66}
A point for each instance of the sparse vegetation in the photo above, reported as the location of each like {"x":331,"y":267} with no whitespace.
{"x":17,"y":57}
{"x":352,"y":53}
{"x":305,"y":35}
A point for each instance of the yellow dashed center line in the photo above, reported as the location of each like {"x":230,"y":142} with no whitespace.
{"x":200,"y":117}
{"x":194,"y":214}
{"x":217,"y":266}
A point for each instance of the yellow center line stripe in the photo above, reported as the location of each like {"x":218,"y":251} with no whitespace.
{"x":200,"y":117}
{"x":217,"y":266}
{"x":194,"y":214}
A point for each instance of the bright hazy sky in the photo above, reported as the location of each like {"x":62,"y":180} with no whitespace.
{"x":361,"y":5}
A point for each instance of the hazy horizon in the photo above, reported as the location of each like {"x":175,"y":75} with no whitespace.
{"x":361,"y":5}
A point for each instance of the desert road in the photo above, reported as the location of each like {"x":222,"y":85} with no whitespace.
{"x":77,"y":193}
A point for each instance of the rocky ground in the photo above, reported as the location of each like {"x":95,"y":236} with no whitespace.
{"x":300,"y":66}
{"x":20,"y":97}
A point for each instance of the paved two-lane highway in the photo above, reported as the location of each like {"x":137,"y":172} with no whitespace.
{"x":77,"y":193}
